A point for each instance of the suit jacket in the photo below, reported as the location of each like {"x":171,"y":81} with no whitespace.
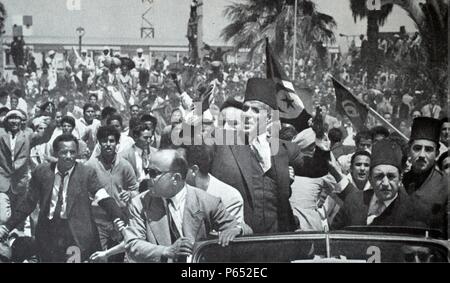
{"x":14,"y":166}
{"x":83,"y":183}
{"x":355,"y":210}
{"x":430,"y":199}
{"x":129,"y":155}
{"x":148,"y":233}
{"x":232,"y":165}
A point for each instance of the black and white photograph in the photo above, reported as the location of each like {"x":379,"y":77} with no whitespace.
{"x":224,"y":131}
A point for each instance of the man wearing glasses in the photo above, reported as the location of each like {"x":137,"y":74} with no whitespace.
{"x":166,"y":220}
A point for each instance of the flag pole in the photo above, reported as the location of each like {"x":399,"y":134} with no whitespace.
{"x":378,"y":116}
{"x":295,"y":41}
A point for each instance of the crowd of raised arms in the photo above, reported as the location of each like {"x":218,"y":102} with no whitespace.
{"x":98,"y":163}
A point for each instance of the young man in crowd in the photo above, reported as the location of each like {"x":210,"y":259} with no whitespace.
{"x":116,"y":175}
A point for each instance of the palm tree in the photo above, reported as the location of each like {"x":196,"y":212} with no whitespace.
{"x":374,"y":20}
{"x":254,"y":20}
{"x":431,"y":21}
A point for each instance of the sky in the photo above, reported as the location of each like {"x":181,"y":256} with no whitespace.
{"x":122,"y":18}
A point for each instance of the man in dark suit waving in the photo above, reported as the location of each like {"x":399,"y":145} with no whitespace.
{"x":259,"y":170}
{"x":65,"y":227}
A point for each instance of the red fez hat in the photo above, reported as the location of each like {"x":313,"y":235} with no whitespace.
{"x":426,"y":128}
{"x":386,"y":152}
{"x":263,"y":90}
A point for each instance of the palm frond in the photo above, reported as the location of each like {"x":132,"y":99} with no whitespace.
{"x":360,"y":11}
{"x":254,"y":20}
{"x":2,"y":16}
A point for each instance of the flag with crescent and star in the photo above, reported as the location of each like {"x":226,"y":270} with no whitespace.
{"x":347,"y":104}
{"x":291,"y":107}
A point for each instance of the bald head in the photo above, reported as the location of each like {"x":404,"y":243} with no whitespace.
{"x":170,"y":160}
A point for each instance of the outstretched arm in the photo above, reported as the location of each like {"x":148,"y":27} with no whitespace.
{"x":28,"y":204}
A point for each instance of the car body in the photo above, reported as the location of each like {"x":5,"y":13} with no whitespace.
{"x":355,"y":244}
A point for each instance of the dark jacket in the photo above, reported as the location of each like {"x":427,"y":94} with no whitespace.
{"x":355,"y":210}
{"x":429,"y":193}
{"x":82,"y":184}
{"x":232,"y":165}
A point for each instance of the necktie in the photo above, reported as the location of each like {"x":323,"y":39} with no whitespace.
{"x":144,"y":159}
{"x":174,"y":233}
{"x":59,"y":202}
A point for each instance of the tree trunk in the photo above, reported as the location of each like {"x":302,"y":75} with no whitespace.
{"x":372,"y":52}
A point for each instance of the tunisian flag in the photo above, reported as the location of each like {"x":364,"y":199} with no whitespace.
{"x":347,"y":104}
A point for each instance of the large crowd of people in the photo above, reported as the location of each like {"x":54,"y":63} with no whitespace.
{"x":100,"y":160}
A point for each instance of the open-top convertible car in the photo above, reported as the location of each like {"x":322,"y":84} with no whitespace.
{"x":354,"y":244}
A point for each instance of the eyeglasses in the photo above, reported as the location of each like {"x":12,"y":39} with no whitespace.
{"x":153,"y":173}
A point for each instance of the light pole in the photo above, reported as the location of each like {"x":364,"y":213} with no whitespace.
{"x":295,"y":41}
{"x":80,"y":32}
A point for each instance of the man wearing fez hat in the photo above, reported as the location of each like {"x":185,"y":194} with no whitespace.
{"x":259,"y":170}
{"x":387,"y":203}
{"x":426,"y":185}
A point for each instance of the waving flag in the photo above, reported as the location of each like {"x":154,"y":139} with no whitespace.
{"x":347,"y":104}
{"x":291,"y":107}
{"x":207,"y":96}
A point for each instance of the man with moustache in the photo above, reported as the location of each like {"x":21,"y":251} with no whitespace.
{"x":386,"y":204}
{"x":427,"y":186}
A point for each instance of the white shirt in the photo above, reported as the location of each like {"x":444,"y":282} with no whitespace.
{"x":139,"y":168}
{"x":22,"y":104}
{"x":54,"y":199}
{"x":262,"y":146}
{"x":81,"y":126}
{"x":177,"y":209}
{"x":141,"y":63}
{"x":99,"y":195}
{"x":373,"y":202}
{"x":367,"y":186}
{"x":12,"y":142}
